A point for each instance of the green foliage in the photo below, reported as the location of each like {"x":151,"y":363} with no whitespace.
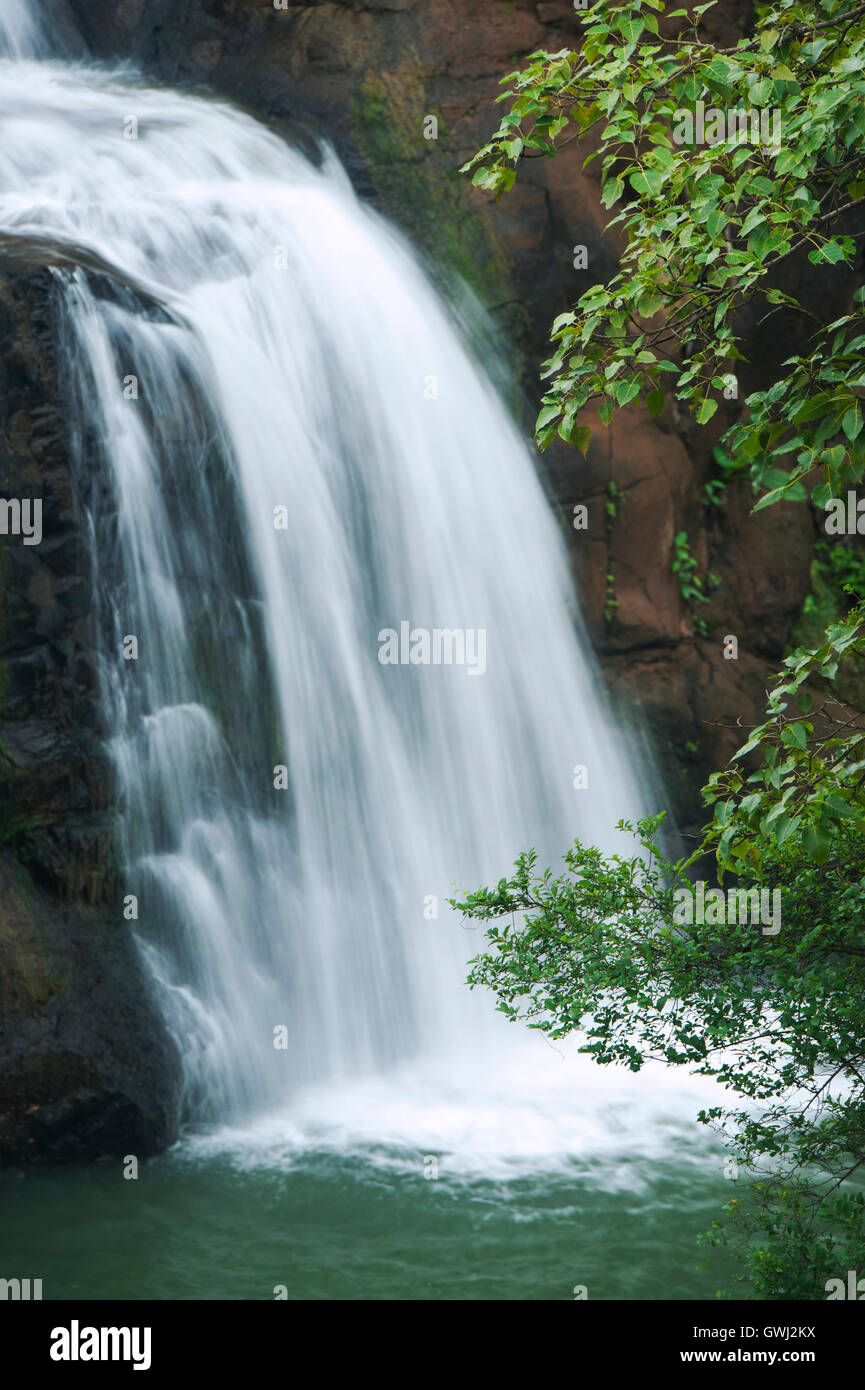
{"x":612,"y":507}
{"x":844,"y":566}
{"x":707,"y":226}
{"x":611,"y":603}
{"x":809,"y":784}
{"x":713,"y":494}
{"x":613,"y":504}
{"x":685,"y":566}
{"x":776,"y":1019}
{"x":837,"y":583}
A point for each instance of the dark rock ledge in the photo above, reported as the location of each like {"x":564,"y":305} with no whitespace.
{"x":86,"y":1066}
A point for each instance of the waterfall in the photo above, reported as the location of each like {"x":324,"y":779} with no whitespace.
{"x":290,"y":461}
{"x":21,"y":29}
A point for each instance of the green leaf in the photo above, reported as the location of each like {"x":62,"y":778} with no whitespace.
{"x":548,"y":413}
{"x":774,"y":496}
{"x":830,"y":251}
{"x":649,"y":182}
{"x":852,"y":422}
{"x":795,"y":736}
{"x":582,"y":438}
{"x":816,"y":843}
{"x":649,"y":305}
{"x":612,"y":192}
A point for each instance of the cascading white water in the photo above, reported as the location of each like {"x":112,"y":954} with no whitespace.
{"x":21,"y":29}
{"x":287,"y":449}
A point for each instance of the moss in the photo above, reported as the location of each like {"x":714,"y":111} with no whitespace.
{"x":422,"y":191}
{"x":13,"y":828}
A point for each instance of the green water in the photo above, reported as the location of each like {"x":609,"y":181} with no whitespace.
{"x":331,"y":1227}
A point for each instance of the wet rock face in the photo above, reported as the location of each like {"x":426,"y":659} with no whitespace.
{"x":86,"y":1070}
{"x":85,"y":1066}
{"x":54,"y":791}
